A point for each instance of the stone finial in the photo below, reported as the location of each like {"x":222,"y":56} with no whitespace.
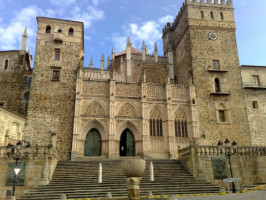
{"x":155,"y":47}
{"x":109,"y":61}
{"x":113,"y":53}
{"x":209,"y":1}
{"x":156,"y":52}
{"x":216,"y":2}
{"x":24,"y":40}
{"x":102,"y":62}
{"x":223,"y":2}
{"x":146,"y":49}
{"x":143,"y":75}
{"x":91,"y":63}
{"x":143,"y":51}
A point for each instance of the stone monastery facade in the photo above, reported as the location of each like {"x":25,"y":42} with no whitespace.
{"x":141,"y":104}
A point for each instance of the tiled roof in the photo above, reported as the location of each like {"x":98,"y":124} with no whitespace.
{"x":133,"y":50}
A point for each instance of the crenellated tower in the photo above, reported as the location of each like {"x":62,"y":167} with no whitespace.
{"x":59,"y":52}
{"x":205,"y":55}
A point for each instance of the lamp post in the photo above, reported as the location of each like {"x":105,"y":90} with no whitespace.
{"x":228,"y":153}
{"x":13,"y":151}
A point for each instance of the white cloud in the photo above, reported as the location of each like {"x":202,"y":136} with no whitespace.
{"x":165,"y":19}
{"x":88,"y":16}
{"x":62,"y":2}
{"x":11,"y":33}
{"x":149,"y":32}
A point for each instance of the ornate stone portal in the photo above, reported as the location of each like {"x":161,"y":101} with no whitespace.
{"x":133,"y":169}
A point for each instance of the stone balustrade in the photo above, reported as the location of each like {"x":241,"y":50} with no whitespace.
{"x":214,"y":151}
{"x":35,"y":152}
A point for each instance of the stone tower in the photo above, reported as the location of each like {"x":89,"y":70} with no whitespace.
{"x":59,"y":52}
{"x":203,"y":41}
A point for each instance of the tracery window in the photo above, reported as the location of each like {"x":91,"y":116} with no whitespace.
{"x":180,"y":122}
{"x":156,"y":127}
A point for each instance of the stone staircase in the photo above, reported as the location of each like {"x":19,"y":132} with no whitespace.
{"x":79,"y":179}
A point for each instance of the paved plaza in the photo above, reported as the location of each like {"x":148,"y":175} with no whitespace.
{"x":256,"y":195}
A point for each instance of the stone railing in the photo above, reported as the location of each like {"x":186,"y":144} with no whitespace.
{"x":214,"y":151}
{"x":34,"y":152}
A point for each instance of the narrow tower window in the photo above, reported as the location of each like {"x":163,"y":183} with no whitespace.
{"x":255,"y":104}
{"x":48,"y":29}
{"x":217,"y":85}
{"x":71,"y":32}
{"x":222,"y":16}
{"x":25,"y":81}
{"x":57,"y":54}
{"x":256,"y":80}
{"x":221,"y":116}
{"x":6,"y":64}
{"x":212,"y":16}
{"x":202,"y":14}
{"x":29,"y":83}
{"x":215,"y":64}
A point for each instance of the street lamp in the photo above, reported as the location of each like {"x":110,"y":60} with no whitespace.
{"x":17,"y":156}
{"x":228,"y":153}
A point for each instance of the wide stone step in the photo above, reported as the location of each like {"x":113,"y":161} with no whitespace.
{"x":79,"y":179}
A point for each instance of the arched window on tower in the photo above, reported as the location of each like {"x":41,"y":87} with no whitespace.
{"x":202,"y":14}
{"x":222,"y":16}
{"x":71,"y":32}
{"x":60,"y":31}
{"x":25,"y":81}
{"x":212,"y":16}
{"x":48,"y":29}
{"x":217,"y":85}
{"x":6,"y":64}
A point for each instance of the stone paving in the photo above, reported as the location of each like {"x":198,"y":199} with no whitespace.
{"x":253,"y":195}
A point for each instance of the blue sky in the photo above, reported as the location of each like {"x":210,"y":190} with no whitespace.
{"x":109,"y":22}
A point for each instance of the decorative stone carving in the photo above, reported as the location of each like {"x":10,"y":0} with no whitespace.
{"x":128,"y":90}
{"x":94,"y":108}
{"x":95,"y":88}
{"x":156,"y":91}
{"x":155,"y":113}
{"x":152,"y":75}
{"x":180,"y":114}
{"x":127,"y":110}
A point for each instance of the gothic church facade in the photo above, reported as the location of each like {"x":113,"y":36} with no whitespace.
{"x":142,"y":104}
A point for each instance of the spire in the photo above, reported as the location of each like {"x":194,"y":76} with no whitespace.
{"x":109,"y":61}
{"x":156,"y":52}
{"x":146,"y":49}
{"x":143,"y":51}
{"x":24,"y":40}
{"x":91,"y":63}
{"x":128,"y":42}
{"x":102,"y":62}
{"x":113,"y":53}
{"x":143,"y":45}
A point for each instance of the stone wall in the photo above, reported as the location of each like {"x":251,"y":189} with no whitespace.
{"x":248,"y":163}
{"x":255,"y":96}
{"x":11,"y":80}
{"x":194,"y":53}
{"x":51,"y":105}
{"x":11,"y":127}
{"x":34,"y":169}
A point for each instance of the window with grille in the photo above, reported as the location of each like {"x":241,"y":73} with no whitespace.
{"x":56,"y":74}
{"x":181,"y":128}
{"x":156,"y":127}
{"x":57,"y":55}
{"x":215,"y":64}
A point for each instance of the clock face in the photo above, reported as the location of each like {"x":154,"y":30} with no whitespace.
{"x":213,"y":36}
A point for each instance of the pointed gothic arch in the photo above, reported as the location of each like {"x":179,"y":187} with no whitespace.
{"x":180,"y":122}
{"x":94,"y":108}
{"x":127,"y":110}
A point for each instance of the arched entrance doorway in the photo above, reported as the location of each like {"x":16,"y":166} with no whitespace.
{"x":127,"y":144}
{"x":93,"y":143}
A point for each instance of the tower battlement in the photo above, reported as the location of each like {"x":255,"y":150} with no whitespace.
{"x":224,"y":3}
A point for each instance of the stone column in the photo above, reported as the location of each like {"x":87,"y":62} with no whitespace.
{"x":145,"y":121}
{"x":133,"y":188}
{"x":45,"y":172}
{"x":170,"y":130}
{"x":111,"y":152}
{"x":194,"y":114}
